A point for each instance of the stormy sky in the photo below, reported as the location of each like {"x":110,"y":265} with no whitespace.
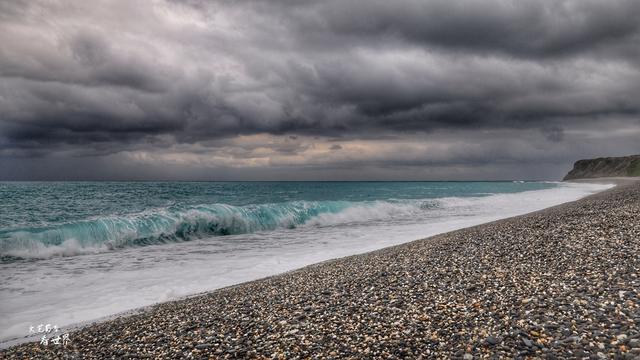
{"x":326,"y":90}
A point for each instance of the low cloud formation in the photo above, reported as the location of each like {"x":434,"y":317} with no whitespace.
{"x":302,"y":90}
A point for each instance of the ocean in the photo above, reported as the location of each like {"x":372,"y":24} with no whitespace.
{"x":72,"y":252}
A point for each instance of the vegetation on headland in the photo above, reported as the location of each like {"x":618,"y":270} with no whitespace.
{"x":605,"y":167}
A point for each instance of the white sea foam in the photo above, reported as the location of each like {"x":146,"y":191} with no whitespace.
{"x":378,"y":210}
{"x":69,"y":247}
{"x":67,"y":290}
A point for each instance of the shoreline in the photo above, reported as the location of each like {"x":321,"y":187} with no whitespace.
{"x":536,"y":200}
{"x":137,"y":315}
{"x":607,"y":180}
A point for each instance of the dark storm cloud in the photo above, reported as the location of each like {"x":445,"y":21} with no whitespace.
{"x":100,"y":78}
{"x":522,"y":29}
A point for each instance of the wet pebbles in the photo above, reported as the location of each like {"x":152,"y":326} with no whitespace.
{"x":560,"y":283}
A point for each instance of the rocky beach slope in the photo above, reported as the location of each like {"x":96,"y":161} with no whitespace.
{"x":559,"y":283}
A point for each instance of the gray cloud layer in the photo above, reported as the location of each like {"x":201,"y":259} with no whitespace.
{"x":186,"y":81}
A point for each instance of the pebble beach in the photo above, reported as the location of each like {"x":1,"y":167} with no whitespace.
{"x":558,"y":283}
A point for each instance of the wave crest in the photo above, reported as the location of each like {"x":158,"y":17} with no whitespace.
{"x":176,"y":224}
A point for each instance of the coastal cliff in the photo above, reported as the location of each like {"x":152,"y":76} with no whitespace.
{"x":605,"y":167}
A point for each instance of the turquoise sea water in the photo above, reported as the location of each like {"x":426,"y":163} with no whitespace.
{"x":35,"y":216}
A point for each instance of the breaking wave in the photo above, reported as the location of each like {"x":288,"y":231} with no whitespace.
{"x":177,"y":224}
{"x":184,"y":223}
